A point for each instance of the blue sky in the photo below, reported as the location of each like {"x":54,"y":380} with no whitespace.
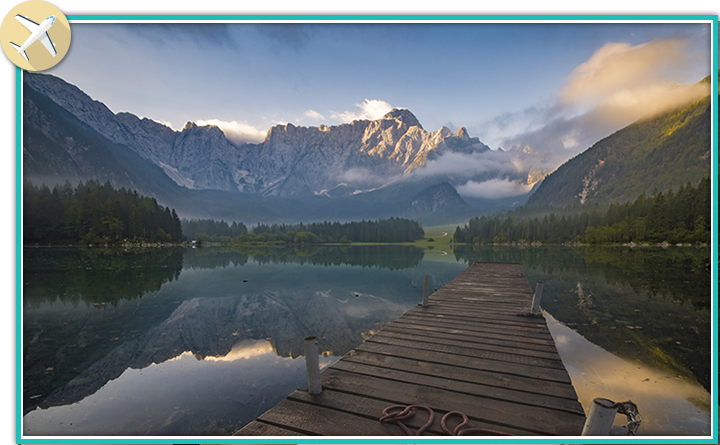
{"x":504,"y":82}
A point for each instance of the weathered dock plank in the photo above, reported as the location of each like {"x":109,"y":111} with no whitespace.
{"x":319,"y":420}
{"x":523,"y":385}
{"x":499,"y":412}
{"x":464,"y":332}
{"x":556,"y":375}
{"x":479,"y":326}
{"x":369,"y":407}
{"x":265,"y":429}
{"x":477,"y":333}
{"x":460,"y":386}
{"x":467,"y":351}
{"x":460,"y":341}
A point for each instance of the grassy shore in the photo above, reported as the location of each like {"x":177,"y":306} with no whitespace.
{"x":439,"y":234}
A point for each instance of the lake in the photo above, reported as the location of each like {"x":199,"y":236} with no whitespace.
{"x":174,"y":341}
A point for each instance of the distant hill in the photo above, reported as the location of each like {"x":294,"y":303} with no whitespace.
{"x":440,"y":197}
{"x":657,"y":153}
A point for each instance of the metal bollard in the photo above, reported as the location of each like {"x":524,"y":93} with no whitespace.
{"x":600,"y":418}
{"x":536,"y":299}
{"x":426,"y":290}
{"x":312,"y":364}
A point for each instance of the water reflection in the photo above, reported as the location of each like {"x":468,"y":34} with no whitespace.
{"x":669,"y":404}
{"x":648,"y":304}
{"x":73,"y":348}
{"x":96,"y":276}
{"x":211,"y":327}
{"x":183,"y":395}
{"x":243,"y":349}
{"x":401,"y":257}
{"x":677,"y":272}
{"x":103,"y":328}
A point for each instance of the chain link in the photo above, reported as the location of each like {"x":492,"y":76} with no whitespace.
{"x":634,"y":418}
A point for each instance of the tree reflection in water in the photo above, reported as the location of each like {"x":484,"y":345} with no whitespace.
{"x":95,"y":319}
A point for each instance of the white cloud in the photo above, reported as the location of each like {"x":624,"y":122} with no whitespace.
{"x":624,"y":83}
{"x":312,"y":114}
{"x":618,"y":85}
{"x":238,"y":132}
{"x":362,"y":177}
{"x":369,"y":109}
{"x":493,"y":189}
{"x":468,"y":164}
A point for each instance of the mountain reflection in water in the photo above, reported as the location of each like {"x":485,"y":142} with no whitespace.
{"x":184,"y":395}
{"x":201,"y":341}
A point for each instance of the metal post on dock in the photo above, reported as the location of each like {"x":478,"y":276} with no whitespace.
{"x":600,"y":418}
{"x":536,"y":299}
{"x":312,"y":364}
{"x":426,"y":290}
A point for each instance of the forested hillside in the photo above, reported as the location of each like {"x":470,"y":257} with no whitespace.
{"x":675,"y":217}
{"x":658,"y":153}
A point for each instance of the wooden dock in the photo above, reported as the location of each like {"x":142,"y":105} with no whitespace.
{"x":467,"y":351}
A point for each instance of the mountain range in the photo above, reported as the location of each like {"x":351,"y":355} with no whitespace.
{"x":365,"y":169}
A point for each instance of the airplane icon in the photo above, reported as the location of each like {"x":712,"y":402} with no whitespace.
{"x":39,"y":32}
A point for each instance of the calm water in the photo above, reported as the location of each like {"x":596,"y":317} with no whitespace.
{"x":202,"y":341}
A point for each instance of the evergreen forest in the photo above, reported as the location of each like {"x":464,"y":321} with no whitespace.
{"x":94,"y":213}
{"x":673,"y":217}
{"x":392,"y":230}
{"x":211,"y":230}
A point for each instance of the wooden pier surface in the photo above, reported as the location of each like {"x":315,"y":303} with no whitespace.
{"x":467,"y":351}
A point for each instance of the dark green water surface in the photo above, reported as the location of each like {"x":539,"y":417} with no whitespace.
{"x":202,"y":341}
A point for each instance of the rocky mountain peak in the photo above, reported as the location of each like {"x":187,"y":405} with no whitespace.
{"x":291,"y":161}
{"x":403,"y":115}
{"x":462,"y":133}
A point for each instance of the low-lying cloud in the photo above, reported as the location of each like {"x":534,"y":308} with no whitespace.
{"x":238,"y":132}
{"x":364,"y":178}
{"x":369,"y":109}
{"x":494,"y":188}
{"x":469,"y":164}
{"x":618,"y":85}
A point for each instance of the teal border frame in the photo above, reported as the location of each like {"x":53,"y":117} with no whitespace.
{"x":713,"y":439}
